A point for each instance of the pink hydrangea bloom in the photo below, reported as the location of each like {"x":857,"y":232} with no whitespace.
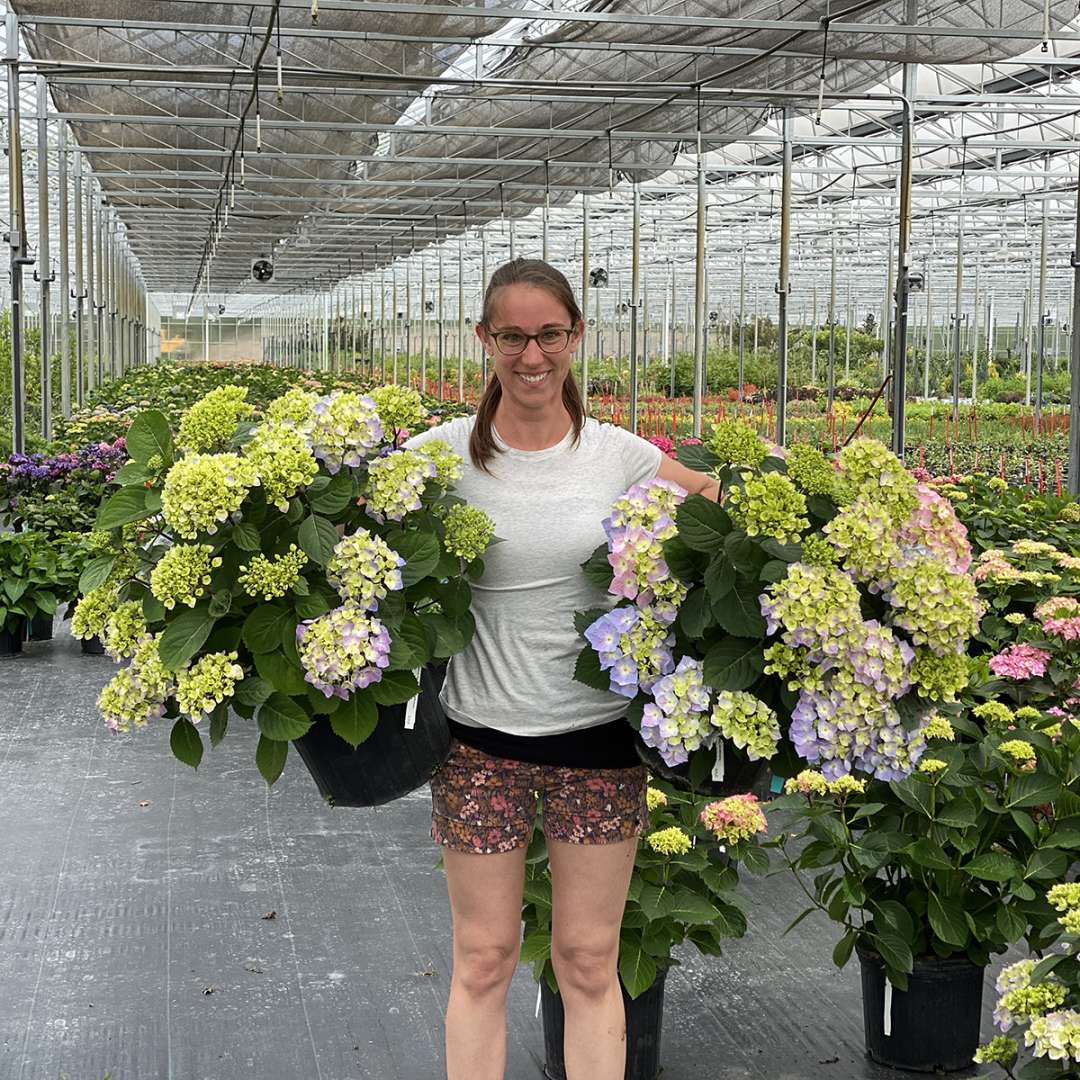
{"x":1060,"y":615}
{"x":734,"y":819}
{"x":665,"y":444}
{"x":933,"y":524}
{"x":1020,"y":662}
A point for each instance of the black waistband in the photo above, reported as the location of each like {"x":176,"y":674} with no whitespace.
{"x":607,"y":746}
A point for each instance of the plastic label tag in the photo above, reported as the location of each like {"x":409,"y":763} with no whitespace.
{"x":410,"y":705}
{"x":886,"y":1020}
{"x":718,"y":768}
{"x":537,"y":1013}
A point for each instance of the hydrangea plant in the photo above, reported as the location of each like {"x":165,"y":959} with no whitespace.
{"x":293,"y":570}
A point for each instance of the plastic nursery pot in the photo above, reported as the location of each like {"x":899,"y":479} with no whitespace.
{"x":40,"y":628}
{"x":92,"y":646}
{"x":11,"y":641}
{"x":644,"y":1017}
{"x":740,"y":774}
{"x":391,"y":762}
{"x":933,"y":1025}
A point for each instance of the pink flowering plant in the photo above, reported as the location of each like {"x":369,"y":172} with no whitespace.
{"x":683,"y":888}
{"x":291,"y":570}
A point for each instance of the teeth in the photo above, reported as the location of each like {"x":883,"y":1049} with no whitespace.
{"x":535,"y":378}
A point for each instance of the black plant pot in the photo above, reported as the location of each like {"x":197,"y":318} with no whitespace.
{"x":92,"y":646}
{"x":740,"y":774}
{"x":391,"y":762}
{"x":644,"y":1018}
{"x":40,"y":628}
{"x":11,"y":641}
{"x":934,"y":1023}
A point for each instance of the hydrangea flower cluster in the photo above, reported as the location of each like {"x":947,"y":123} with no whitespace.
{"x":937,"y":727}
{"x":469,"y":531}
{"x":137,"y":693}
{"x":273,"y":577}
{"x":1020,"y":661}
{"x":396,"y":484}
{"x":1060,"y":616}
{"x":283,"y":460}
{"x":735,"y":442}
{"x":212,"y":420}
{"x":862,"y":537}
{"x":867,"y":467}
{"x":345,"y":430}
{"x":1020,"y":753}
{"x":344,"y":650}
{"x":92,"y":611}
{"x":296,"y":408}
{"x":448,"y":465}
{"x":817,"y":551}
{"x":655,"y":799}
{"x":938,"y":608}
{"x":810,"y":470}
{"x":650,"y":506}
{"x":399,"y":407}
{"x":747,"y":722}
{"x":672,"y":841}
{"x":211,"y":680}
{"x":769,"y":504}
{"x":1011,"y":978}
{"x":634,"y":647}
{"x":202,"y":490}
{"x":814,"y":606}
{"x":125,"y":628}
{"x":933,"y":525}
{"x":1055,"y":1036}
{"x":734,"y":819}
{"x":1000,"y":1049}
{"x":938,"y":677}
{"x":809,"y":782}
{"x":182,"y":574}
{"x":363,"y":568}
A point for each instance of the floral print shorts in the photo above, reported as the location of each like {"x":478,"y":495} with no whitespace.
{"x":487,"y":805}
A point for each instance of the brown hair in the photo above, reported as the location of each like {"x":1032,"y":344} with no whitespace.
{"x":540,"y":275}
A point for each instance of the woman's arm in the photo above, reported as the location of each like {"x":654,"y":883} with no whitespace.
{"x":696,"y":483}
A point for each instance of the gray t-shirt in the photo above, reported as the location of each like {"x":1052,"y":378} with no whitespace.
{"x":517,"y":674}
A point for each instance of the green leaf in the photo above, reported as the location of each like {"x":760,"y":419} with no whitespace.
{"x":719,"y":577}
{"x":262,"y":628}
{"x":279,"y":717}
{"x":788,"y":553}
{"x":1010,"y":923}
{"x":587,"y":670}
{"x":1046,"y":864}
{"x":1063,"y":838}
{"x":774,"y":570}
{"x":685,"y":564}
{"x":584,"y":619}
{"x":697,"y":456}
{"x":313,"y":604}
{"x":947,"y":919}
{"x":153,"y":608}
{"x":740,"y":614}
{"x":270,"y":757}
{"x":219,"y":723}
{"x":421,"y":552}
{"x":185,"y":742}
{"x":127,"y":504}
{"x":993,"y":866}
{"x":657,"y":901}
{"x":1032,"y":789}
{"x":841,"y":953}
{"x":695,"y":613}
{"x":253,"y":690}
{"x":924,"y":852}
{"x":733,"y":664}
{"x":894,"y":950}
{"x":355,"y":719}
{"x":536,"y":947}
{"x":148,"y":435}
{"x":184,"y":636}
{"x":336,"y":496}
{"x":318,"y":538}
{"x":95,"y":573}
{"x":282,"y":675}
{"x":637,"y":969}
{"x":798,"y":919}
{"x":690,"y":907}
{"x":134,"y":472}
{"x":916,"y":793}
{"x":395,"y":688}
{"x":702,"y":524}
{"x":246,"y":537}
{"x":959,"y":814}
{"x":597,"y":569}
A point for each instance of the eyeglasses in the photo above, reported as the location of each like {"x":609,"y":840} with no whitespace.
{"x":552,"y":339}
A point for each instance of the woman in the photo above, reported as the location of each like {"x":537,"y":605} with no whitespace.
{"x":520,"y":725}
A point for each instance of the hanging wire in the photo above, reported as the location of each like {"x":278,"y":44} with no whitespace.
{"x":280,"y":85}
{"x":824,"y":60}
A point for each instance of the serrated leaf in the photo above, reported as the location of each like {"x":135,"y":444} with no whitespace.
{"x":1032,"y":789}
{"x":740,"y":614}
{"x":690,"y":907}
{"x":95,"y":573}
{"x":262,"y":628}
{"x":702,"y":524}
{"x":335,"y":497}
{"x":1046,"y":864}
{"x":279,"y":717}
{"x":148,"y":435}
{"x":924,"y":852}
{"x":788,"y":553}
{"x":184,"y":636}
{"x":282,"y":675}
{"x":597,"y":569}
{"x":637,"y":969}
{"x":246,"y":537}
{"x":687,"y":565}
{"x":587,"y":670}
{"x":253,"y":690}
{"x":733,"y":664}
{"x":318,"y":538}
{"x":123,"y":506}
{"x":894,"y":950}
{"x":719,"y":577}
{"x":697,"y":456}
{"x":993,"y":866}
{"x":695,"y":613}
{"x":355,"y":719}
{"x":185,"y":742}
{"x":947,"y":919}
{"x":916,"y":793}
{"x":657,"y":901}
{"x":584,"y":619}
{"x":270,"y":757}
{"x":394,"y":688}
{"x":421,"y":552}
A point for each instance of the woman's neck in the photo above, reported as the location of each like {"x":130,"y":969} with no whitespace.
{"x":532,"y":430}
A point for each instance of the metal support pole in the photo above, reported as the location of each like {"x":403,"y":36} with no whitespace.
{"x":585,"y":298}
{"x":957,"y":313}
{"x":741,"y":374}
{"x":483,"y":285}
{"x":1040,"y":359}
{"x":80,"y":293}
{"x":1074,"y":357}
{"x":975,"y":338}
{"x":441,"y":355}
{"x":699,"y":289}
{"x":830,"y":375}
{"x":44,"y":262}
{"x":783,"y":285}
{"x":670,"y":329}
{"x":461,"y":319}
{"x":423,"y":324}
{"x":903,"y":280}
{"x":16,"y":234}
{"x":635,"y":306}
{"x":65,"y":278}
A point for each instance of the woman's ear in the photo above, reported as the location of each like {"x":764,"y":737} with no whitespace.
{"x":578,"y":334}
{"x":482,"y":334}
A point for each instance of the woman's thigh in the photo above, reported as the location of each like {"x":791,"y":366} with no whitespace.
{"x":485,"y":899}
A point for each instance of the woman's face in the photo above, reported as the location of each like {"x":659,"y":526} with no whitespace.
{"x":533,"y":378}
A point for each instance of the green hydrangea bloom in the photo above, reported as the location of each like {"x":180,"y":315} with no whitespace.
{"x":274,"y":577}
{"x":938,"y":677}
{"x":867,"y":467}
{"x":810,"y":470}
{"x":124,"y":629}
{"x":937,"y":727}
{"x":747,"y":722}
{"x":283,"y":461}
{"x":398,"y":407}
{"x":207,"y":683}
{"x":468,"y":531}
{"x":296,"y":408}
{"x":212,"y":420}
{"x":932,"y":766}
{"x":1000,"y":1049}
{"x":862,"y":535}
{"x":1027,"y":1002}
{"x":735,"y":442}
{"x":182,"y":574}
{"x":137,"y":693}
{"x":93,"y":610}
{"x":1027,"y":715}
{"x":809,"y":782}
{"x":938,"y":608}
{"x":396,"y":484}
{"x":1055,"y":1036}
{"x":845,"y":786}
{"x":817,"y":551}
{"x":1020,"y":753}
{"x":672,"y":841}
{"x":1064,"y":896}
{"x":364,"y":568}
{"x":994,"y":714}
{"x":769,"y":505}
{"x":202,"y":490}
{"x":447,"y":464}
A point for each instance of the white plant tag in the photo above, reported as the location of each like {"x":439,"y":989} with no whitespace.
{"x":537,"y":1001}
{"x":886,"y":1020}
{"x":718,"y":768}
{"x":410,"y":705}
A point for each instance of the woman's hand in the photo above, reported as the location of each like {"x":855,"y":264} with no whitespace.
{"x":695,"y":483}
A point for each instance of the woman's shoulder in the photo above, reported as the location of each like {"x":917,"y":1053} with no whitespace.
{"x":454,"y":432}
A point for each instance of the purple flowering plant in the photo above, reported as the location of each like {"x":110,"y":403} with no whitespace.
{"x":293,"y":570}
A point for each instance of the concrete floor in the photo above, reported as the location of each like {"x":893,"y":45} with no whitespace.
{"x":135,"y":943}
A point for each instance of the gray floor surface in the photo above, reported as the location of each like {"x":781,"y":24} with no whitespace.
{"x":134,"y":942}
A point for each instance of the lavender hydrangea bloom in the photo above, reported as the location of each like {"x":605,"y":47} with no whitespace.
{"x":344,"y":650}
{"x":633,"y":646}
{"x":679,"y":720}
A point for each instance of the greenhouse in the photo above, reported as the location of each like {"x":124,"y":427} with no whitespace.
{"x":455,"y":455}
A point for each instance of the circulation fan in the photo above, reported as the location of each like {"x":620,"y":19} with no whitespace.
{"x":262,"y":270}
{"x":598,"y":278}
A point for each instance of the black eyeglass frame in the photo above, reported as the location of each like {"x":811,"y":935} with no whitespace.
{"x":495,"y":335}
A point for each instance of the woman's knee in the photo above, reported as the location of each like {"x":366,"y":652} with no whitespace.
{"x":584,"y":969}
{"x":485,"y":967}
